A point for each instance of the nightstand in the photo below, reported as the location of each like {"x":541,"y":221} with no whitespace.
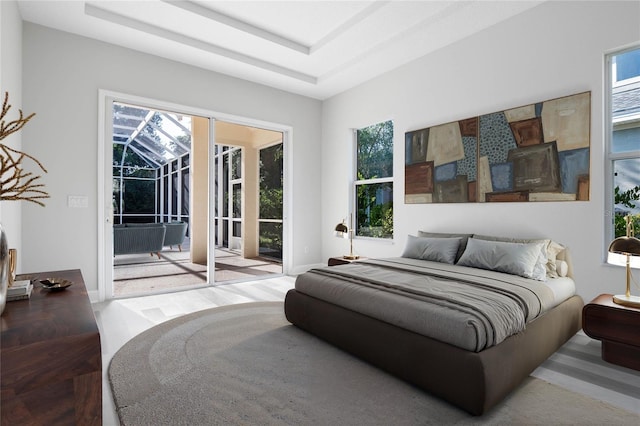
{"x":339,"y":260}
{"x":617,"y":326}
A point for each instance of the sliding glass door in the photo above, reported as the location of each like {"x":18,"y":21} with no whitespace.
{"x":248,"y":202}
{"x":220,"y":182}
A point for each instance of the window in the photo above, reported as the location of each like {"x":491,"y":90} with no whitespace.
{"x":374,"y":181}
{"x":624,"y":141}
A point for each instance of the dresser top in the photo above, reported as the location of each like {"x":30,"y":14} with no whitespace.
{"x":48,"y":315}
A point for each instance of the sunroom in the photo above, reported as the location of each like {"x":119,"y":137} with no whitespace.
{"x":156,"y":184}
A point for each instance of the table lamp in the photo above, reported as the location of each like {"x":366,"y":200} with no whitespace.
{"x":344,"y":231}
{"x":626,"y":251}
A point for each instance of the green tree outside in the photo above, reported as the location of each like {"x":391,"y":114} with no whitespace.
{"x":271,"y":195}
{"x":627,"y":199}
{"x":374,"y":201}
{"x":137,"y":185}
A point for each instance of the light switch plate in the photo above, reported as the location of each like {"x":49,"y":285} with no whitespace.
{"x":78,"y":201}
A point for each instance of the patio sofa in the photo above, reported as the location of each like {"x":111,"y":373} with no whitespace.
{"x":133,"y":238}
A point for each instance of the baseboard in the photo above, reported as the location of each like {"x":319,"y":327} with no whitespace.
{"x":94,"y":296}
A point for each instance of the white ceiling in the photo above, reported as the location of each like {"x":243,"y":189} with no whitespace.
{"x":313,"y":48}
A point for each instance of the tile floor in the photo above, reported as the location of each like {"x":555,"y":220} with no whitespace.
{"x":119,"y":320}
{"x":141,"y":274}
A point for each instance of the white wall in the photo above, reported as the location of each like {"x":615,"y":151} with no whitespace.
{"x":11,"y":81}
{"x":62,"y":76}
{"x":553,"y":50}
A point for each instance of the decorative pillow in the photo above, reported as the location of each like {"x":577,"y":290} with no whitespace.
{"x":441,"y":250}
{"x":511,"y":258}
{"x":541,"y":270}
{"x":553,"y":250}
{"x":463,"y":239}
{"x":562,"y":268}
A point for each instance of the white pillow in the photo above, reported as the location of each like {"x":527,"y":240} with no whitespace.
{"x":562,"y":268}
{"x":441,"y":250}
{"x":512,"y":258}
{"x":553,"y":250}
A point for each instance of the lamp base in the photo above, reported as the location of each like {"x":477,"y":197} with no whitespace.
{"x":631,"y":301}
{"x":351,"y":256}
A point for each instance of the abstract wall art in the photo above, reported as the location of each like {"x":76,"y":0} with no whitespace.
{"x":537,"y":152}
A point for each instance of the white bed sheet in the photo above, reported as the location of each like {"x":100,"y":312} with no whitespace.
{"x":562,"y":288}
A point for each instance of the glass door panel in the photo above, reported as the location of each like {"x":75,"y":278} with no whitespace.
{"x":271,"y":193}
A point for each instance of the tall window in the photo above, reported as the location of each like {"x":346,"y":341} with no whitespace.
{"x":624,"y":146}
{"x":374,"y":181}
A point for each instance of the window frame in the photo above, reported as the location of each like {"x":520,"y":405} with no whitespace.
{"x":359,"y":182}
{"x":611,"y":66}
{"x":611,"y":125}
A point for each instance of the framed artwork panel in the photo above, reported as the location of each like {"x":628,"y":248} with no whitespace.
{"x":531,"y":153}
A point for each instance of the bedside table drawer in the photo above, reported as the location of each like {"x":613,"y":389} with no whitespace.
{"x":617,"y":327}
{"x":603,"y":319}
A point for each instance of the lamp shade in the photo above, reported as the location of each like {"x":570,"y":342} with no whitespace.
{"x":622,"y":247}
{"x":342,"y":230}
{"x":626,"y":251}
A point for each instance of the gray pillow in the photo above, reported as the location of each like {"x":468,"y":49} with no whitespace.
{"x":463,"y":239}
{"x":511,"y":258}
{"x":541,"y":270}
{"x":441,"y":250}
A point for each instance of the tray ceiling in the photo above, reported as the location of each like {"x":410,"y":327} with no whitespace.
{"x":313,"y":48}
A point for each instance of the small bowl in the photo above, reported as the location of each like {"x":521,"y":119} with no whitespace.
{"x":55,"y":284}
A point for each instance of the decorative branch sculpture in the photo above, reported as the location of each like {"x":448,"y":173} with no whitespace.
{"x":15,"y":183}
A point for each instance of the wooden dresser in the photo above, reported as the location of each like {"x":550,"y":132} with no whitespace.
{"x":50,"y":357}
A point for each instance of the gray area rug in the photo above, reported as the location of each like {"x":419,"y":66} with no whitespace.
{"x":245,"y":364}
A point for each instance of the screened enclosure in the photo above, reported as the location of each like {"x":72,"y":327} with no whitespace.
{"x":150,"y":165}
{"x":151,"y":177}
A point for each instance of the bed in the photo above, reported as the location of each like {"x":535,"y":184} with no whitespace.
{"x":465,"y":317}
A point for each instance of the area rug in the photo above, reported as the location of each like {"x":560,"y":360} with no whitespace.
{"x":246,"y":365}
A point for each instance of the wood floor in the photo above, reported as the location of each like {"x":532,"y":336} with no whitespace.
{"x":576,"y":366}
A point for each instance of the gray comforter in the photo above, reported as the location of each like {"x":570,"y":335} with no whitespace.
{"x":467,"y":307}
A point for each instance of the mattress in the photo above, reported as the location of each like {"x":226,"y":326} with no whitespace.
{"x":466,"y":307}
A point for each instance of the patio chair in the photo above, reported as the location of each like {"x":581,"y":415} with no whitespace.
{"x":176,"y":232}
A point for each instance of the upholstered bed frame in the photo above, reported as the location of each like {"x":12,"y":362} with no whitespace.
{"x":473,"y":381}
